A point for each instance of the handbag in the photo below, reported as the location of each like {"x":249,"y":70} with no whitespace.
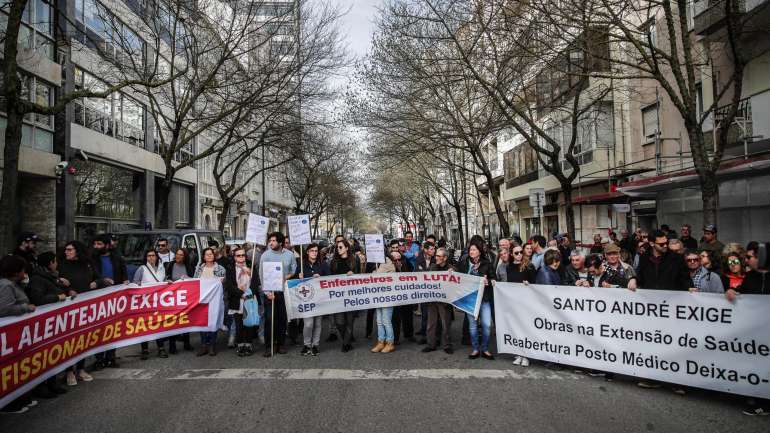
{"x":250,"y":310}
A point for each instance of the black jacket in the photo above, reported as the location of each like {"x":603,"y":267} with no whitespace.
{"x":485,"y":270}
{"x":80,"y":274}
{"x":668,"y":273}
{"x":571,"y":276}
{"x":43,"y":287}
{"x":233,"y":294}
{"x":755,"y":283}
{"x":119,"y":269}
{"x":423,"y":265}
{"x":516,"y":276}
{"x":169,"y":267}
{"x":320,"y":267}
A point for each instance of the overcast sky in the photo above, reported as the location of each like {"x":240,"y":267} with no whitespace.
{"x":358,"y":23}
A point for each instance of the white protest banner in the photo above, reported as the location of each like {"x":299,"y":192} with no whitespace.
{"x":694,"y":339}
{"x":272,"y":276}
{"x":299,"y":229}
{"x":256,"y":229}
{"x":342,"y":293}
{"x":375,"y":248}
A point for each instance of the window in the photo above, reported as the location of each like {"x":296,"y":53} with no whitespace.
{"x":117,"y":115}
{"x":649,"y":123}
{"x":37,"y":129}
{"x":36,"y":31}
{"x":182,"y":203}
{"x":281,"y":48}
{"x":104,"y":31}
{"x":106,"y":191}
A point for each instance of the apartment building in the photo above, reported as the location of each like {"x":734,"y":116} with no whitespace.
{"x":636,"y":170}
{"x":42,"y":75}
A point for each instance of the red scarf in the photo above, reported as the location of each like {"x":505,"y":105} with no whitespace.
{"x":735,"y":279}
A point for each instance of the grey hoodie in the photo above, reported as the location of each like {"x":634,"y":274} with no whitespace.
{"x":13,"y":300}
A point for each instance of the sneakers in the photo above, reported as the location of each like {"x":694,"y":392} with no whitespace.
{"x":71,"y":379}
{"x":679,"y":390}
{"x":315,"y":351}
{"x":306,"y":351}
{"x":517,"y":360}
{"x":524,"y":362}
{"x":753,"y":410}
{"x":15,"y":408}
{"x":231,"y":342}
{"x":85,"y":377}
{"x":648,"y":385}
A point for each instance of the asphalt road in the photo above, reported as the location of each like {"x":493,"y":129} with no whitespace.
{"x":358,"y":391}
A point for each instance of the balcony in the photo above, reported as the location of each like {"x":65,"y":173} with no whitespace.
{"x":709,"y":15}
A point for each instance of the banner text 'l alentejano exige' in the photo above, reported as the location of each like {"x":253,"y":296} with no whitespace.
{"x":694,"y":339}
{"x":318,"y":296}
{"x":34,"y":347}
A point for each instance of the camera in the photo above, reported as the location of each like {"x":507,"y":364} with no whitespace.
{"x":60,"y":167}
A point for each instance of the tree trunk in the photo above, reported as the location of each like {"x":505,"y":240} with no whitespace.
{"x":223,"y":217}
{"x":8,"y":202}
{"x":505,"y":230}
{"x":710,"y":195}
{"x":164,"y":193}
{"x":566,"y":189}
{"x":459,"y":211}
{"x":442,"y":218}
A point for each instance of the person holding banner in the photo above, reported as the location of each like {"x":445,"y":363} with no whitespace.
{"x":151,"y":272}
{"x":179,"y":269}
{"x":14,"y":302}
{"x":384,"y":315}
{"x":345,"y":263}
{"x":476,"y":264}
{"x":520,"y":270}
{"x":238,"y":279}
{"x":275,"y":307}
{"x":79,"y":271}
{"x":209,"y":268}
{"x":312,"y":266}
{"x":439,"y":311}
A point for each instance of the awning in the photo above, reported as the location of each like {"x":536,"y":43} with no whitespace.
{"x":733,"y":169}
{"x":602,"y":198}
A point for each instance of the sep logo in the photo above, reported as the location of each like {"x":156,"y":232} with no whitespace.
{"x":304,"y":293}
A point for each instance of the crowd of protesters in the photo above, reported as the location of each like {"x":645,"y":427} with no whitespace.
{"x":659,"y":259}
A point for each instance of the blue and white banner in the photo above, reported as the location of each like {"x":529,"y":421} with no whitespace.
{"x":319,"y":296}
{"x":693,"y":339}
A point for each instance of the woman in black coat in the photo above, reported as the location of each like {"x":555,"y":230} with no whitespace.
{"x":476,"y":264}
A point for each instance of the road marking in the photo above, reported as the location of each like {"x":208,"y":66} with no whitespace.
{"x":126,"y":373}
{"x":341,"y":374}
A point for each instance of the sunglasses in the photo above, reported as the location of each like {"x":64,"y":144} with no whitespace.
{"x":693,"y":260}
{"x":661,"y":244}
{"x":733,"y":262}
{"x":517,"y":252}
{"x":748,"y":256}
{"x":163,"y":245}
{"x":240,"y":255}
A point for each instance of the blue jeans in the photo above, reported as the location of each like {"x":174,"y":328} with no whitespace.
{"x":485,"y":315}
{"x":385,"y":324}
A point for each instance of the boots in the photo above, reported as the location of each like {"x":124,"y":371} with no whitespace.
{"x":389,"y":347}
{"x":378,"y":348}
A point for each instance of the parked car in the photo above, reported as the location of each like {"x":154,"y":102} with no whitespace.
{"x":132,"y":244}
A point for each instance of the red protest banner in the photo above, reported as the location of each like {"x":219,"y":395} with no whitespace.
{"x":36,"y":346}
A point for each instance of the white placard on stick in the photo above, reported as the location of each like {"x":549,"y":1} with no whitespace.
{"x":272,"y":276}
{"x":375,"y":248}
{"x":256,"y":229}
{"x":299,"y":229}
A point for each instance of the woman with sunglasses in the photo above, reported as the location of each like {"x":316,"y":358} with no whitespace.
{"x":312,"y":266}
{"x":76,"y":268}
{"x":151,"y":272}
{"x":734,"y":273}
{"x":520,"y":270}
{"x":476,"y":264}
{"x":209,"y":268}
{"x":344,"y":263}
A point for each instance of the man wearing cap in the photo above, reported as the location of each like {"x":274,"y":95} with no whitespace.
{"x":616,"y":267}
{"x":710,"y":241}
{"x":25,"y":248}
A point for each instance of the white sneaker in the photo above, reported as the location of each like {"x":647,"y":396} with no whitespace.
{"x":71,"y":380}
{"x":32,"y":403}
{"x":517,"y":360}
{"x":231,"y":341}
{"x":524,"y":362}
{"x":85,"y":377}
